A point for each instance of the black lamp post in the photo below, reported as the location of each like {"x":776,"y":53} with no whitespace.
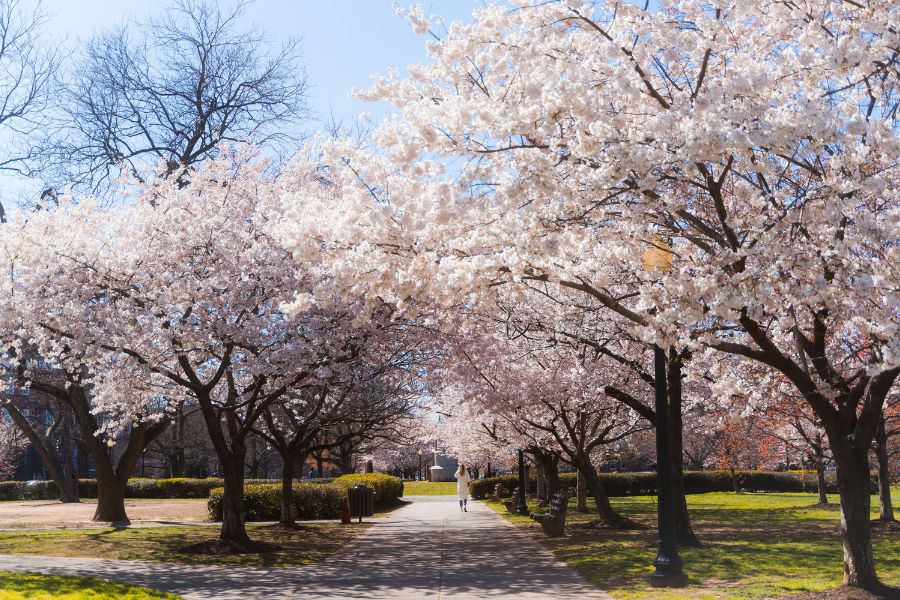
{"x":419,"y":472}
{"x":522,"y":507}
{"x":668,"y":564}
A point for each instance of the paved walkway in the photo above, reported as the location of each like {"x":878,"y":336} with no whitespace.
{"x":425,"y":550}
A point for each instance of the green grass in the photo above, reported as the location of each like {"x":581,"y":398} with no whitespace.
{"x":429,"y":488}
{"x":755,"y":546}
{"x":28,"y":586}
{"x":310,"y":543}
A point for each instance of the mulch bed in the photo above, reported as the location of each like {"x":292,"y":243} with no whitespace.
{"x":219,"y":547}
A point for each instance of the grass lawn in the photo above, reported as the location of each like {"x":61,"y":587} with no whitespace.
{"x":27,"y":586}
{"x":308,"y":544}
{"x":755,"y":546}
{"x":429,"y":488}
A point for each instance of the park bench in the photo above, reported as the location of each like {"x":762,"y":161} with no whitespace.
{"x":554,"y":522}
{"x":512,"y":502}
{"x":498,"y":492}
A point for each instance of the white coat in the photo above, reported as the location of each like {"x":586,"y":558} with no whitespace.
{"x":462,"y":485}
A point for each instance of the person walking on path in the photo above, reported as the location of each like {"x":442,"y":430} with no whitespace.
{"x":462,"y":488}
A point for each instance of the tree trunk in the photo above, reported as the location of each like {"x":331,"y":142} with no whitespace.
{"x":684,"y":532}
{"x":734,"y":481}
{"x":64,"y":480}
{"x":884,"y":472}
{"x":234,"y":529}
{"x":551,"y":474}
{"x":110,"y":500}
{"x":287,"y":519}
{"x":346,"y":461}
{"x":821,"y":484}
{"x":580,"y":492}
{"x":539,"y":478}
{"x":853,"y":484}
{"x":177,"y":461}
{"x":604,"y":509}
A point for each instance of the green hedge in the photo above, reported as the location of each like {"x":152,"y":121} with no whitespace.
{"x":262,"y":502}
{"x":695,"y":482}
{"x":387,"y":487}
{"x":137,"y":488}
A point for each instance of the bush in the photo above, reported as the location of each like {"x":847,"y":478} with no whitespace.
{"x":695,"y":482}
{"x":387,"y":488}
{"x":262,"y":502}
{"x":28,"y":490}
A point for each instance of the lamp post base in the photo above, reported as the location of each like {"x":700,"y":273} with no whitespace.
{"x":668,"y":570}
{"x":661,"y":579}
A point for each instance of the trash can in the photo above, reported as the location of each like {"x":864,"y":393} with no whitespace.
{"x":362,"y":501}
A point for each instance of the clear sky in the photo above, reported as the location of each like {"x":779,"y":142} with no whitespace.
{"x":344,"y":41}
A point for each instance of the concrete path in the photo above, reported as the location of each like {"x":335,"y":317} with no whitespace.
{"x":425,"y":550}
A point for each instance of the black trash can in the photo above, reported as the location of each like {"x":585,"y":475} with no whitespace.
{"x":362,"y":501}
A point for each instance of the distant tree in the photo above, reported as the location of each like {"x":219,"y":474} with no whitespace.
{"x":27,"y":67}
{"x":886,"y":446}
{"x":168,"y":91}
{"x":11,"y":442}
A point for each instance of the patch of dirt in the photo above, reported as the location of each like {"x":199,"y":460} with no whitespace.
{"x":41,"y":513}
{"x":829,"y":506}
{"x":888,"y":526}
{"x":603,"y":525}
{"x":219,"y":547}
{"x":845,"y":593}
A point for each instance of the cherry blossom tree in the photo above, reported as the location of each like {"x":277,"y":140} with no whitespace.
{"x":11,"y":443}
{"x":754,"y":143}
{"x":184,"y":290}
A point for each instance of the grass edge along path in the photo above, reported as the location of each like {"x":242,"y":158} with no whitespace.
{"x":429,"y":488}
{"x":308,"y":544}
{"x":755,"y":546}
{"x":33,"y":586}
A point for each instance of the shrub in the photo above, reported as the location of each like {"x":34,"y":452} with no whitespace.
{"x":387,"y":487}
{"x":28,"y":490}
{"x":262,"y":502}
{"x":483,"y":488}
{"x":695,"y":482}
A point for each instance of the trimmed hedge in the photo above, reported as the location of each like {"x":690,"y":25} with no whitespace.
{"x":387,"y":487}
{"x":137,"y":488}
{"x":695,"y":482}
{"x":262,"y":502}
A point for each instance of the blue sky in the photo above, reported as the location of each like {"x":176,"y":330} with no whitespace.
{"x":344,"y":41}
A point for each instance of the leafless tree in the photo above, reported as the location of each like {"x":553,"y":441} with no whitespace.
{"x":27,"y":67}
{"x":168,"y":91}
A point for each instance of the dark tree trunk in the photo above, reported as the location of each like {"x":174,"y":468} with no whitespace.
{"x":110,"y":500}
{"x":884,"y":472}
{"x":64,"y":479}
{"x":684,"y":533}
{"x":853,"y":484}
{"x":580,"y":492}
{"x":821,"y":484}
{"x":551,"y":474}
{"x":539,"y":479}
{"x":319,"y":461}
{"x":234,"y":529}
{"x":288,"y":518}
{"x":82,"y":463}
{"x":177,"y":462}
{"x":734,"y":481}
{"x":346,"y":465}
{"x":607,"y":513}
